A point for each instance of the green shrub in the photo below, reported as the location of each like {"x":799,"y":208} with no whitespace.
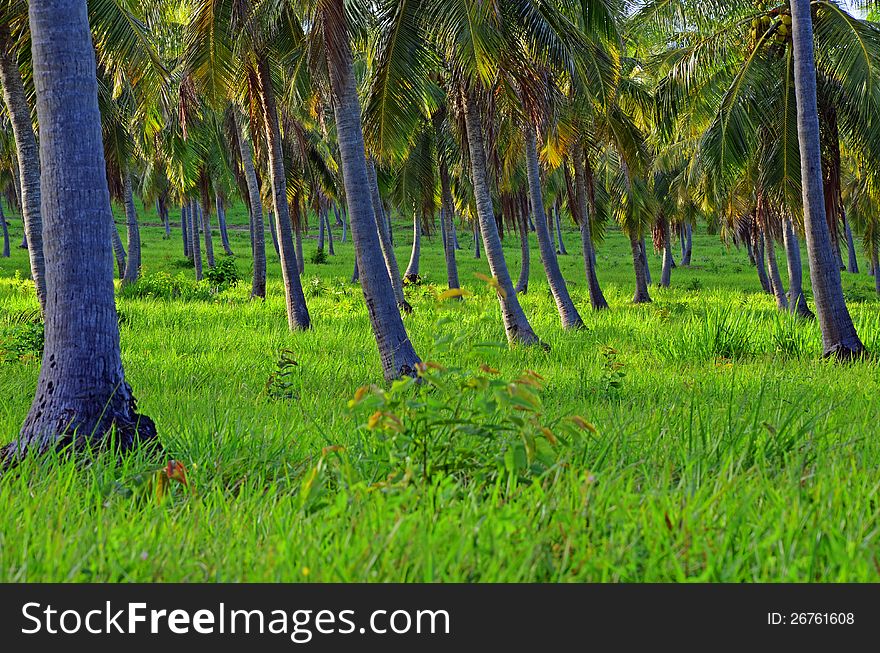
{"x":161,"y":285}
{"x":223,"y":275}
{"x":22,"y":337}
{"x":319,"y":257}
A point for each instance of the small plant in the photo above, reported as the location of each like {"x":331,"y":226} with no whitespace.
{"x":23,"y":339}
{"x":693,"y":285}
{"x":319,"y":257}
{"x":315,"y":287}
{"x":223,"y":275}
{"x":279,"y":385}
{"x":474,"y":427}
{"x":161,"y":285}
{"x":613,"y":375}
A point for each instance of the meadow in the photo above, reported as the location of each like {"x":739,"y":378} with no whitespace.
{"x":721,"y":446}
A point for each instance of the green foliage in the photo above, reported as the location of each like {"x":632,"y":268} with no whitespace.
{"x":161,"y":285}
{"x":612,"y":373}
{"x":280,"y":385}
{"x":319,"y":257}
{"x":223,"y":275}
{"x":21,"y":337}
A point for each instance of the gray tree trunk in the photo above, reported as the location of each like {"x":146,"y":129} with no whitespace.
{"x":133,"y":266}
{"x":81,"y":392}
{"x":385,"y":240}
{"x":321,"y":229}
{"x":330,"y":249}
{"x":205,"y":216}
{"x":476,"y":240}
{"x":300,"y":259}
{"x":773,"y":274}
{"x":118,"y":247}
{"x":194,"y":239}
{"x":452,"y":223}
{"x":184,"y":229}
{"x":516,"y":325}
{"x":28,"y":160}
{"x":839,"y":335}
{"x":797,"y":303}
{"x":221,"y":218}
{"x":560,"y":249}
{"x":297,"y":312}
{"x":666,"y":269}
{"x":761,"y":262}
{"x":162,"y":211}
{"x":597,"y":297}
{"x":412,"y":269}
{"x":522,"y":228}
{"x":6,"y":252}
{"x":258,"y":233}
{"x":396,"y":352}
{"x":645,"y":260}
{"x":853,"y":265}
{"x":874,"y":263}
{"x":447,"y":222}
{"x":640,"y":265}
{"x":687,"y":244}
{"x":273,"y":232}
{"x":568,"y":314}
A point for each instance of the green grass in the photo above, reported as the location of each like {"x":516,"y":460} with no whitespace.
{"x":727,"y":449}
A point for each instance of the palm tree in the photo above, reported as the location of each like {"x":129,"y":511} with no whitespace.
{"x":839,"y":335}
{"x":81,"y":392}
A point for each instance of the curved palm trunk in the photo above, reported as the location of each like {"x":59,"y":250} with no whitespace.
{"x":297,"y":312}
{"x":273,"y":232}
{"x":560,"y":249}
{"x":452,"y":223}
{"x":258,"y":233}
{"x":687,"y":244}
{"x":597,"y":297}
{"x":321,"y":229}
{"x":647,"y":268}
{"x":6,"y":252}
{"x":666,"y":269}
{"x":385,"y":240}
{"x":81,"y":392}
{"x":330,"y":249}
{"x":447,"y":223}
{"x":194,"y":240}
{"x":412,"y":269}
{"x":853,"y":265}
{"x":184,"y":229}
{"x":640,"y":265}
{"x":118,"y":248}
{"x":476,"y":241}
{"x":522,"y":227}
{"x":761,"y":261}
{"x":774,"y":276}
{"x":205,"y":216}
{"x":28,"y":159}
{"x":796,"y":301}
{"x":516,"y":325}
{"x":839,"y":335}
{"x":221,"y":218}
{"x":568,"y":314}
{"x":396,"y":352}
{"x":133,"y":267}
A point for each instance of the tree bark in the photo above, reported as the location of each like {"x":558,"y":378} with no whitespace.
{"x":133,"y":266}
{"x":81,"y":392}
{"x":330,"y":249}
{"x":839,"y":335}
{"x":184,"y":229}
{"x":447,"y":222}
{"x":568,"y":314}
{"x":640,"y":265}
{"x":205,"y":216}
{"x":853,"y":265}
{"x":297,"y":312}
{"x":560,"y":247}
{"x":194,"y":239}
{"x":396,"y":352}
{"x":797,"y":303}
{"x":522,"y":228}
{"x":6,"y":252}
{"x":773,"y":274}
{"x":412,"y":269}
{"x":28,"y":159}
{"x":582,"y":215}
{"x":761,"y":261}
{"x":476,"y":240}
{"x":162,"y":211}
{"x":258,"y":233}
{"x":221,"y":218}
{"x":874,"y":263}
{"x":118,"y":247}
{"x":687,"y":244}
{"x":516,"y":325}
{"x":385,"y":240}
{"x":666,"y":269}
{"x":273,"y":232}
{"x":647,"y":268}
{"x":300,"y":259}
{"x":321,"y":229}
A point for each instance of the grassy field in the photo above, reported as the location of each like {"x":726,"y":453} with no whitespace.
{"x":725,"y":448}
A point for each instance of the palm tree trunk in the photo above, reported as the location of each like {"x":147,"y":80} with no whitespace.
{"x":561,"y":243}
{"x":640,"y":265}
{"x":516,"y":325}
{"x":447,"y":222}
{"x":839,"y":335}
{"x":853,"y":265}
{"x":162,"y":211}
{"x":321,"y":229}
{"x":522,"y":228}
{"x":205,"y":216}
{"x":184,"y":229}
{"x":330,"y":249}
{"x":297,"y":312}
{"x":118,"y":248}
{"x":300,"y":259}
{"x":455,"y":242}
{"x":797,"y":303}
{"x":412,"y":269}
{"x":28,"y":159}
{"x":568,"y":314}
{"x":396,"y":352}
{"x":476,"y":240}
{"x":385,"y":240}
{"x":258,"y":233}
{"x":666,"y":269}
{"x":221,"y":218}
{"x":6,"y":252}
{"x":761,"y":261}
{"x":647,"y":268}
{"x":774,"y":276}
{"x":687,"y":244}
{"x":133,"y":267}
{"x":581,"y":193}
{"x":273,"y":232}
{"x":194,"y":239}
{"x":81,"y":392}
{"x":874,"y":264}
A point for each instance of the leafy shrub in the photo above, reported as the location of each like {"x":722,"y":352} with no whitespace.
{"x":22,"y":337}
{"x":161,"y":285}
{"x":612,"y":373}
{"x":224,"y":274}
{"x":319,"y":257}
{"x":315,"y":287}
{"x":473,"y":427}
{"x":279,"y":384}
